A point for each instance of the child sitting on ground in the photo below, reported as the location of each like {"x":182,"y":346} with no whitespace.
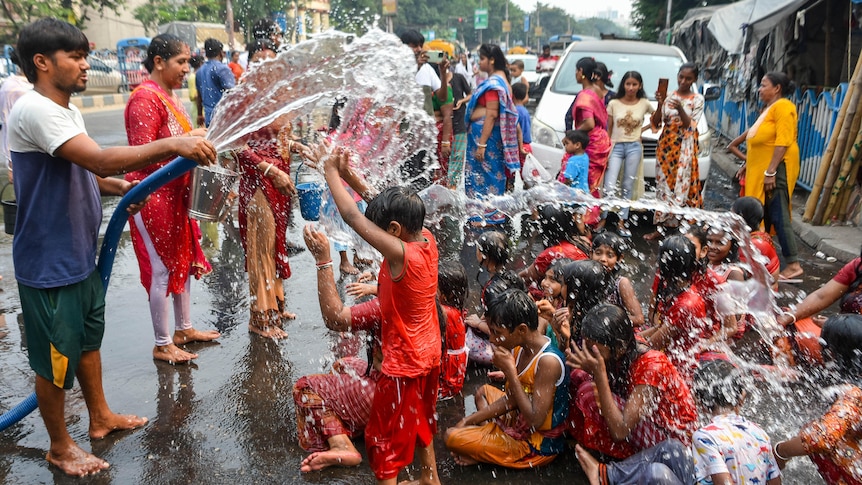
{"x":406,"y":392}
{"x":730,"y":449}
{"x":609,"y":249}
{"x":751,"y":211}
{"x":492,"y":254}
{"x":574,"y":168}
{"x":452,"y":293}
{"x":521,"y":427}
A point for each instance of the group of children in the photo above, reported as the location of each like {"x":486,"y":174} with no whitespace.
{"x":568,"y":337}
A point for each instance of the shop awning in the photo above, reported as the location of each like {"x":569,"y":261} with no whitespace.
{"x":729,"y":24}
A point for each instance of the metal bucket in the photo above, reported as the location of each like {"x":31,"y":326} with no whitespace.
{"x":210,"y":188}
{"x":10,"y":211}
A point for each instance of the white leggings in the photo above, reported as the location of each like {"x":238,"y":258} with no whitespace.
{"x":159,"y":310}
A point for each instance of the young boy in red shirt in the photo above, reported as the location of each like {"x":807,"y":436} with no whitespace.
{"x":405,"y":400}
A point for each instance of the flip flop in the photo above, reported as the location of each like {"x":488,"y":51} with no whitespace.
{"x":792,"y":281}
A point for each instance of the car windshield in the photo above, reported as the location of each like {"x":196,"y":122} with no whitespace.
{"x":651,"y":68}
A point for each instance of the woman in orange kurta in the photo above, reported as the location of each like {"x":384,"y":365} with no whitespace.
{"x":165,"y":239}
{"x":772,"y":164}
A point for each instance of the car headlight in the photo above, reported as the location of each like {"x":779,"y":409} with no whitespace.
{"x":545,"y":135}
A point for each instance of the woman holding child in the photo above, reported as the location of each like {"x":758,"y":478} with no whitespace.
{"x":165,"y":239}
{"x":591,"y":115}
{"x":492,"y":139}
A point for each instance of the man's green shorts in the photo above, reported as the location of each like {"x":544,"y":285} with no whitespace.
{"x":60,"y":324}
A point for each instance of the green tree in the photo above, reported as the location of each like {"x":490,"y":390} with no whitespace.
{"x":77,"y":12}
{"x":596,"y":27}
{"x":648,"y":16}
{"x":158,"y":12}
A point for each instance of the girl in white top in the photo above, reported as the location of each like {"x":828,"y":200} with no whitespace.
{"x":626,"y":114}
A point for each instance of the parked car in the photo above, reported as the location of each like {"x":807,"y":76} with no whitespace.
{"x":653,"y":61}
{"x":102,"y":79}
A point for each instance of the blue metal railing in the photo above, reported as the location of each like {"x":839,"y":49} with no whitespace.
{"x":817,"y":116}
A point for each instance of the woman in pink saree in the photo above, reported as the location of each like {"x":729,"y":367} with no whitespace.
{"x":591,"y":115}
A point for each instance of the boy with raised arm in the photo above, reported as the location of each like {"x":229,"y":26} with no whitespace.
{"x":403,"y":413}
{"x":59,"y":174}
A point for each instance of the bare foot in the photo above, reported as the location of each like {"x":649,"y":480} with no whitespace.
{"x":99,"y":428}
{"x":463,"y":460}
{"x":334,"y":457}
{"x":589,"y":464}
{"x":268,"y":331}
{"x":75,"y":461}
{"x":346,"y":268}
{"x":172,"y":354}
{"x":288,"y":315}
{"x":182,"y":337}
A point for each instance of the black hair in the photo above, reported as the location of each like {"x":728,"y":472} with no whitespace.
{"x":556,"y":224}
{"x":843,"y":336}
{"x":213,"y":48}
{"x":196,"y":61}
{"x":164,"y":46}
{"x":604,"y":74}
{"x":512,"y":308}
{"x":677,"y":265}
{"x":47,"y":36}
{"x":519,"y":63}
{"x":612,"y":240}
{"x":499,"y":283}
{"x":717,"y":384}
{"x":259,"y":45}
{"x":412,"y":37}
{"x":398,"y":204}
{"x":452,"y":283}
{"x":588,"y":284}
{"x":698,"y":231}
{"x":588,"y":66}
{"x":631,"y":75}
{"x":556,"y":268}
{"x":578,"y":136}
{"x":264,"y":28}
{"x":495,"y":54}
{"x":692,"y":67}
{"x":782,"y":81}
{"x":546,"y":46}
{"x":750,"y":209}
{"x":519,"y":91}
{"x":609,"y":325}
{"x":494,"y":246}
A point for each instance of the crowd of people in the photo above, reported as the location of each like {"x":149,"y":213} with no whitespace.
{"x":647,"y":397}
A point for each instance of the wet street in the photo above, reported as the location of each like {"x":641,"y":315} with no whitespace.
{"x":229,"y":417}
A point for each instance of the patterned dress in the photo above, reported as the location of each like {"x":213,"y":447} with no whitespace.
{"x":678,"y":178}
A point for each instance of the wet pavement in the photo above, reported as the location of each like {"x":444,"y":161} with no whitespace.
{"x":229,"y":417}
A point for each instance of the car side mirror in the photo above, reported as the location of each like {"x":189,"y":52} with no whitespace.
{"x":711,"y":92}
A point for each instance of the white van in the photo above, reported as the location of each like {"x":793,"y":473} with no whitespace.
{"x":652,"y":61}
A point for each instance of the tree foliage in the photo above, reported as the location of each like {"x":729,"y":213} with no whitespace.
{"x":77,"y":12}
{"x":157,"y":12}
{"x":648,"y":16}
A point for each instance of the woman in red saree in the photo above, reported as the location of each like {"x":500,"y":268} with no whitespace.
{"x":165,"y":239}
{"x":591,"y":115}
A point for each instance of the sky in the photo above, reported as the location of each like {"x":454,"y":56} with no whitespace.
{"x":578,"y":7}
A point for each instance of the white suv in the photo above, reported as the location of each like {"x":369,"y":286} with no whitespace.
{"x":652,"y":61}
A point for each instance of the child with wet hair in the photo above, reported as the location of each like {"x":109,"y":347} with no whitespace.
{"x":406,"y":392}
{"x":492,"y":254}
{"x":478,"y":333}
{"x":587,"y":285}
{"x":730,"y":449}
{"x":564,"y":235}
{"x":751,"y":211}
{"x":609,"y":249}
{"x":521,"y":426}
{"x":722,"y":254}
{"x":553,"y":312}
{"x":628,"y":398}
{"x":686,"y":316}
{"x":452,"y":293}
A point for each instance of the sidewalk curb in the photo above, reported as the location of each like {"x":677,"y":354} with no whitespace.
{"x":111,"y":101}
{"x":840,"y":242}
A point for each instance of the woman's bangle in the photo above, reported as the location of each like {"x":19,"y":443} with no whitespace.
{"x":791,"y":315}
{"x":778,"y":455}
{"x":324,"y":263}
{"x":267,"y":170}
{"x":773,"y":174}
{"x":446,"y":143}
{"x":321,"y":267}
{"x":481,"y":145}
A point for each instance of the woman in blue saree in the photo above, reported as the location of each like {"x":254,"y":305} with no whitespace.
{"x":492,"y":138}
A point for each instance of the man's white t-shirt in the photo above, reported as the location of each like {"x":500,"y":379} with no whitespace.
{"x":426,"y":76}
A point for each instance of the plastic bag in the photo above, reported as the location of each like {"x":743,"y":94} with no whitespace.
{"x":533,"y":172}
